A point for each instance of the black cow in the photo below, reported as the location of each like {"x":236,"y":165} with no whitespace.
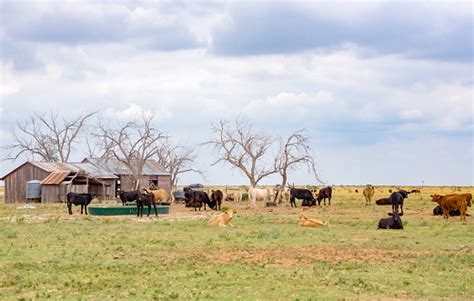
{"x":83,"y":199}
{"x":415,"y":191}
{"x":383,"y":201}
{"x":302,"y":194}
{"x":130,"y":196}
{"x":396,"y":199}
{"x":392,"y":222}
{"x":147,"y":199}
{"x":324,"y":193}
{"x":216,"y":198}
{"x":197,"y":198}
{"x":439,"y":211}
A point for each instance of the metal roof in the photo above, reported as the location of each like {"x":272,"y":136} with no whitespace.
{"x":151,"y":168}
{"x":56,"y":166}
{"x":96,"y":171}
{"x":55,"y":178}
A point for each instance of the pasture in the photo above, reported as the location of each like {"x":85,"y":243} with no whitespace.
{"x":45,"y":253}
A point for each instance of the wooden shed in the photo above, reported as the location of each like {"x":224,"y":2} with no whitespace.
{"x":57,"y":179}
{"x":153,"y":176}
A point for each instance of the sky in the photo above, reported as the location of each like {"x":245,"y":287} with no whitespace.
{"x":384,"y":89}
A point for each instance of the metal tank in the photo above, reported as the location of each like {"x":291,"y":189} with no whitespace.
{"x":33,"y":189}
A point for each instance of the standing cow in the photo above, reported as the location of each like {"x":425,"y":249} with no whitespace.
{"x":216,"y":199}
{"x":259,"y":194}
{"x":368,"y":193}
{"x":396,"y":199}
{"x":83,"y":199}
{"x":302,"y":194}
{"x":325,"y":193}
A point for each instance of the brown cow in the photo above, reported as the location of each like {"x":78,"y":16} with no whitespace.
{"x":468,"y":198}
{"x":450,"y":202}
{"x":368,"y":193}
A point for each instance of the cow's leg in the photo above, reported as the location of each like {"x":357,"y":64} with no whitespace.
{"x":156,"y":211}
{"x":401,"y":209}
{"x":149,"y":209}
{"x":82,"y":208}
{"x":85,"y":209}
{"x":292,"y":201}
{"x":69,"y":208}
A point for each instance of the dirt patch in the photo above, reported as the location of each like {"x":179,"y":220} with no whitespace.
{"x":308,"y":255}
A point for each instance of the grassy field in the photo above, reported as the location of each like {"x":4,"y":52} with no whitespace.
{"x":45,"y":253}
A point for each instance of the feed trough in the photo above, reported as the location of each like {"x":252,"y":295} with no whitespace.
{"x":126,"y":210}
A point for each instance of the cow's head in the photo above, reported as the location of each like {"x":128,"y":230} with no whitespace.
{"x":435,"y":198}
{"x":404,"y":193}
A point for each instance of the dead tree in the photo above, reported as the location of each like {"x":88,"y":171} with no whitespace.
{"x":243,"y":148}
{"x":132,"y":144}
{"x":294,"y":153}
{"x":177,"y":160}
{"x":49,"y":138}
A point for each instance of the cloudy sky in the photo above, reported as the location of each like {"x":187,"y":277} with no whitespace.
{"x":384,"y":89}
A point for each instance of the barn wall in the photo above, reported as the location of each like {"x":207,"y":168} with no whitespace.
{"x":15,"y":183}
{"x":50,"y":193}
{"x":164,"y":182}
{"x":107,"y":194}
{"x":126,"y":182}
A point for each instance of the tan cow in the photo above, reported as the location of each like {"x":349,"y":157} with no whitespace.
{"x":451,"y":202}
{"x":368,"y":193}
{"x":160,"y":195}
{"x":221,"y":220}
{"x":234,"y":196}
{"x":261,"y":194}
{"x":310,"y":222}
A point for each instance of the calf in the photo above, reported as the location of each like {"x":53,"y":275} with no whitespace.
{"x":129,"y":196}
{"x":83,"y":199}
{"x":439,"y":211}
{"x":301,"y":194}
{"x":216,"y":197}
{"x":392,"y":222}
{"x":396,"y":199}
{"x":324,"y":193}
{"x":147,"y":199}
{"x":451,"y":202}
{"x":383,"y":201}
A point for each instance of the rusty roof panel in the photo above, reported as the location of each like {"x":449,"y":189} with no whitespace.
{"x":55,"y":178}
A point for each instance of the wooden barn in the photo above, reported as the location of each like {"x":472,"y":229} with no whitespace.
{"x":153,"y":176}
{"x":57,"y":179}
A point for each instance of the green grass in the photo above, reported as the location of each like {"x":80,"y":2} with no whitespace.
{"x":264,"y":256}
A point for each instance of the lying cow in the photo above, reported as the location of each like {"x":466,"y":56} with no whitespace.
{"x":146,"y":199}
{"x":324,"y":193}
{"x":383,"y":201}
{"x":301,"y":194}
{"x":83,"y":199}
{"x":259,"y":194}
{"x":310,"y":222}
{"x":439,"y":211}
{"x":222,"y":219}
{"x":129,"y":196}
{"x":396,"y":199}
{"x":451,"y":202}
{"x":216,"y":198}
{"x":392,"y":222}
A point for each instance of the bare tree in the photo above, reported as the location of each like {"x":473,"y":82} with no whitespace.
{"x":48,"y":137}
{"x":177,"y":160}
{"x":132,"y":144}
{"x":243,"y":148}
{"x":294,"y":153}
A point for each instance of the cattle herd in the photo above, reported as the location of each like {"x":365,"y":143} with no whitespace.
{"x":197,"y":198}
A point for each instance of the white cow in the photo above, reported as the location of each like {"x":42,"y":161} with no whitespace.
{"x":261,"y":194}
